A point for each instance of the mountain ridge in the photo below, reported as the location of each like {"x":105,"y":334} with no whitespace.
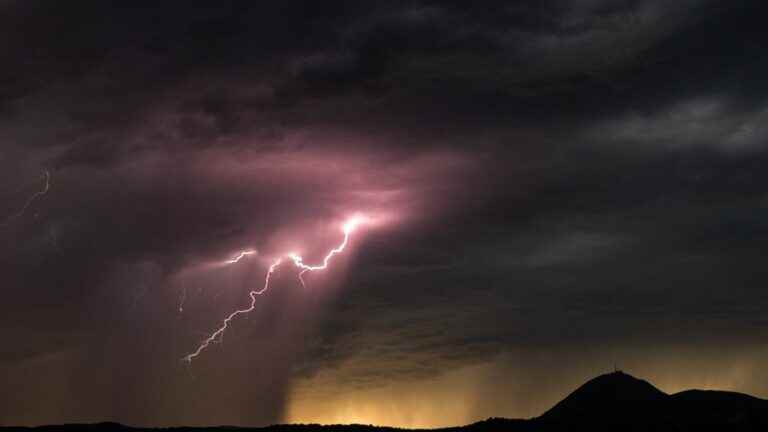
{"x":612,"y":401}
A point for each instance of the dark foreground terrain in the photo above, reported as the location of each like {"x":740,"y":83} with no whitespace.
{"x":615,"y":401}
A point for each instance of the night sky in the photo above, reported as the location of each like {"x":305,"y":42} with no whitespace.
{"x":558,"y":188}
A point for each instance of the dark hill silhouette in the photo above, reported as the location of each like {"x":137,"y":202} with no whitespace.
{"x":611,"y":402}
{"x":618,"y":401}
{"x":615,"y":395}
{"x":736,"y":411}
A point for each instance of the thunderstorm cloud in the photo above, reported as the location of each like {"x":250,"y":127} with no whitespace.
{"x":569,"y":185}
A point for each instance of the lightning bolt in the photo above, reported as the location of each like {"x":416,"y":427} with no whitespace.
{"x":188,"y":358}
{"x":182,"y":299}
{"x":347,"y":228}
{"x":47,"y":176}
{"x":236,"y":259}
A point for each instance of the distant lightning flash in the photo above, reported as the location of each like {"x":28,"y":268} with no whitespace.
{"x":47,"y":176}
{"x":347,"y":228}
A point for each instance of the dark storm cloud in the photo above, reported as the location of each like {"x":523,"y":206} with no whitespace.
{"x":580,"y":173}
